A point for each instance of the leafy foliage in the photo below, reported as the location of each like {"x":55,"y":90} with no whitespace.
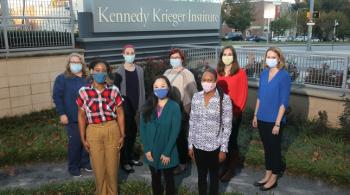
{"x":280,"y":25}
{"x":238,"y":14}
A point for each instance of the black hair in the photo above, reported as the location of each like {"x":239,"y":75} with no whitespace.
{"x":98,"y":60}
{"x":221,"y":92}
{"x":151,"y":103}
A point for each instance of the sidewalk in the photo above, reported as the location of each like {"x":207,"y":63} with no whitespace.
{"x":34,"y":175}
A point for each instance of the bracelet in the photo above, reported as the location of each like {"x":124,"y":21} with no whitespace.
{"x":277,"y":125}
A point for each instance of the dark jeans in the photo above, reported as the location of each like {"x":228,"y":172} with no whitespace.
{"x":127,"y":152}
{"x":272,"y":147}
{"x":157,"y":186}
{"x":207,"y":162}
{"x":182,"y":142}
{"x":232,"y":144}
{"x":77,"y":156}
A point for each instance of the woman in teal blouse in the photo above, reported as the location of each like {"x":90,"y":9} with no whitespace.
{"x":159,"y":127}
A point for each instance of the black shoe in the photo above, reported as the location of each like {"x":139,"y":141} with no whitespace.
{"x":127,"y":168}
{"x":135,"y":163}
{"x":262,"y":188}
{"x":257,"y":184}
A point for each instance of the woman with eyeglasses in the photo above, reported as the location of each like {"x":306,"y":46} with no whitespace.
{"x":184,"y":86}
{"x":159,"y":128}
{"x":270,"y":114}
{"x":101,"y":124}
{"x":65,"y":91}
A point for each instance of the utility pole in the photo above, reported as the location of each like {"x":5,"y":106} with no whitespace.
{"x":334,"y":33}
{"x":310,"y":24}
{"x":268,"y":30}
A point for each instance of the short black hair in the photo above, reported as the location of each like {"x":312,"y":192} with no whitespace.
{"x":98,"y":60}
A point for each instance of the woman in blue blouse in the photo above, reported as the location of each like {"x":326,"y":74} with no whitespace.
{"x":269,"y":115}
{"x":159,"y":128}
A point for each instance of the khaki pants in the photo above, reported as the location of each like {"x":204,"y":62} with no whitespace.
{"x":104,"y":153}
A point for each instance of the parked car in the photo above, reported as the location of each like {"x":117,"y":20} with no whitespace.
{"x":290,"y":38}
{"x":315,"y":39}
{"x":279,"y":38}
{"x":255,"y":38}
{"x":301,"y":38}
{"x":234,"y":36}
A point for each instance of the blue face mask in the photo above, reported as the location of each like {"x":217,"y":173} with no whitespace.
{"x":176,"y":62}
{"x":161,"y":93}
{"x":75,"y":67}
{"x":129,"y":58}
{"x":100,"y":77}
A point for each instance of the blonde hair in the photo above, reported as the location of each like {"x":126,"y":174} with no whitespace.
{"x":68,"y":72}
{"x":282,"y":62}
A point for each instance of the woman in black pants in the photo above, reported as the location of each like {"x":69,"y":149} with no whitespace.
{"x":269,"y":115}
{"x":209,"y":132}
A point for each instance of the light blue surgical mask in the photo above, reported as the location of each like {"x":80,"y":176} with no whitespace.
{"x":271,"y":63}
{"x":75,"y":67}
{"x":99,"y":77}
{"x":129,"y":58}
{"x":161,"y":93}
{"x":175,"y":62}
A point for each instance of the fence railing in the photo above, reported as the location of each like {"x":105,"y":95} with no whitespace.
{"x":36,"y":25}
{"x":318,"y":70}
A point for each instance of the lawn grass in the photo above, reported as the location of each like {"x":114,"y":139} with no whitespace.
{"x":88,"y":187}
{"x":32,"y":138}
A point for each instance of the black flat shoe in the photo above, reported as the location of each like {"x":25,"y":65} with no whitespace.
{"x":262,"y":188}
{"x":128,"y":169}
{"x":136,"y":163}
{"x":258,"y":184}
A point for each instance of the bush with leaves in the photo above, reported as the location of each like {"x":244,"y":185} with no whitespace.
{"x":344,"y":120}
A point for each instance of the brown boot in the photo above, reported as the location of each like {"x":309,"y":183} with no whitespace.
{"x":232,"y":164}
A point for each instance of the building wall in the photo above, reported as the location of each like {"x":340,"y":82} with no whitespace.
{"x":26,"y":81}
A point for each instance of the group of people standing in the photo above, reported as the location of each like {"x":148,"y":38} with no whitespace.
{"x":103,"y":112}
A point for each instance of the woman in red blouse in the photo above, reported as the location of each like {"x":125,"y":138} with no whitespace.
{"x":233,"y":80}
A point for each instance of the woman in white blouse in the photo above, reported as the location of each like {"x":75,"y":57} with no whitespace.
{"x":209,"y":131}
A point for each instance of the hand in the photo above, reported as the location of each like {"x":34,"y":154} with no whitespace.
{"x":222,"y":156}
{"x":86,"y":145}
{"x":165,"y":160}
{"x":255,"y":122}
{"x":149,"y":156}
{"x":64,"y":119}
{"x":275,"y":130}
{"x":191,"y":154}
{"x":121,"y":142}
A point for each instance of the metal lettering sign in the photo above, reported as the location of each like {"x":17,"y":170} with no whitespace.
{"x":154,"y":15}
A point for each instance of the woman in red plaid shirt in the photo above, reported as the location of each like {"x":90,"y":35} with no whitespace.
{"x":101,"y":124}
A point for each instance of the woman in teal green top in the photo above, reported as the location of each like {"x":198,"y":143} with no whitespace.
{"x":159,"y":127}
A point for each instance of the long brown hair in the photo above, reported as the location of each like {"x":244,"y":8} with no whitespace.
{"x":69,"y":73}
{"x":221,"y":65}
{"x":282,"y":62}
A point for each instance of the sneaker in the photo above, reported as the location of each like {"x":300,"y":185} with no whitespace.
{"x":127,"y":168}
{"x":88,"y":168}
{"x":135,"y":163}
{"x":180,"y":169}
{"x":75,"y":173}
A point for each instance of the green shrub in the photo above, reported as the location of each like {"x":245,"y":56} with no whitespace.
{"x":344,"y":120}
